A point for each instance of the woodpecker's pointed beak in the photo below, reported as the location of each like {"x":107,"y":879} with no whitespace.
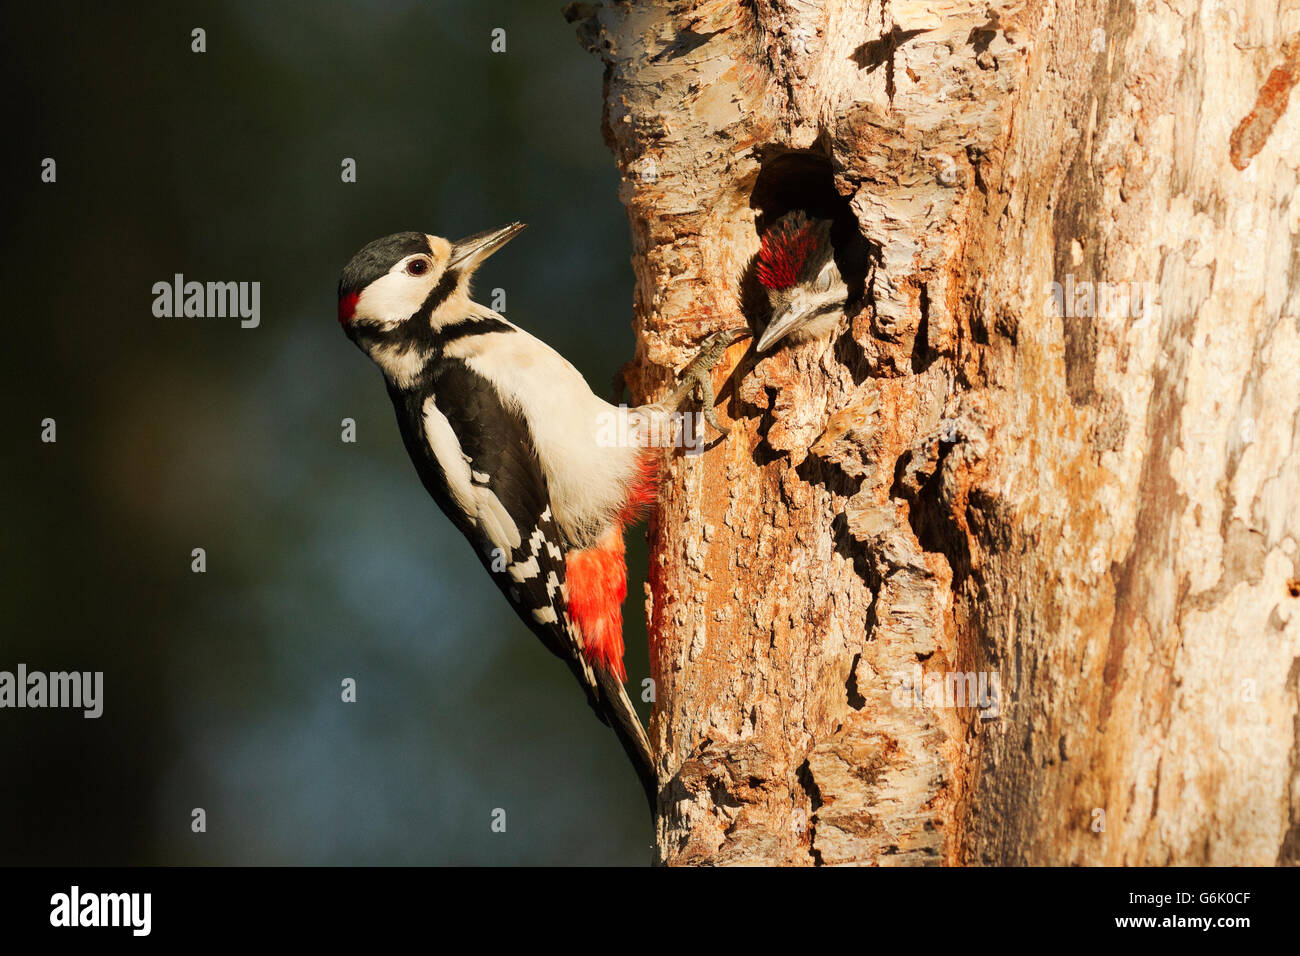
{"x":779,"y":327}
{"x":469,"y":253}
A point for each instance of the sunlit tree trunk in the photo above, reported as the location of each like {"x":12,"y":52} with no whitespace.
{"x":1085,"y":496}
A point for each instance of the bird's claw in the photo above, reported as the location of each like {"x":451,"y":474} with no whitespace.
{"x":697,"y":376}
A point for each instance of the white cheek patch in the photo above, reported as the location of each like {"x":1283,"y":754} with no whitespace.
{"x":483,"y":507}
{"x":394,"y":297}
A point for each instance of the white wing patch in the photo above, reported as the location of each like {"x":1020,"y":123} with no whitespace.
{"x":477,"y":501}
{"x":521,"y":571}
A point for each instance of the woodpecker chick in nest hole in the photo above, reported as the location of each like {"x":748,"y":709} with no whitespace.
{"x":811,"y":269}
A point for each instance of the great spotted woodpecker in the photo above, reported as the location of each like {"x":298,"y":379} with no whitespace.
{"x":802,"y":265}
{"x":515,"y":448}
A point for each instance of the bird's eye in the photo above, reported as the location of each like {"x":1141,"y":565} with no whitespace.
{"x":417,"y":267}
{"x":824,"y":278}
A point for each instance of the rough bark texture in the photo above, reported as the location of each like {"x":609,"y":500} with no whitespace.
{"x":1100,"y":505}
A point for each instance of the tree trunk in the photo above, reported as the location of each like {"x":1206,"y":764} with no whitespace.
{"x":1083,"y":497}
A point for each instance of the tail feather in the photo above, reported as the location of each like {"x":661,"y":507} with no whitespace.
{"x":612,"y":706}
{"x":621,"y":717}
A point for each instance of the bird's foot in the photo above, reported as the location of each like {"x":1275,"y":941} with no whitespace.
{"x":697,"y":376}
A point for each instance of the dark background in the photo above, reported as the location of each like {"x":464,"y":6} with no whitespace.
{"x":325,"y":560}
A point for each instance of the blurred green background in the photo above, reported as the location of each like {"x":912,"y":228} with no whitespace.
{"x":325,"y":560}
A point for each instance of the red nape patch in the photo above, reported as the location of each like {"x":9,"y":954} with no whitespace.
{"x":347,"y":306}
{"x":597,"y":584}
{"x":785,"y":247}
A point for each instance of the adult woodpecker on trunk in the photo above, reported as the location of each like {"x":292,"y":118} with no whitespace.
{"x":811,"y":269}
{"x":512,"y":444}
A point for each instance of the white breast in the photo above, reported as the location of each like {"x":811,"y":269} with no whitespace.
{"x":588,"y":466}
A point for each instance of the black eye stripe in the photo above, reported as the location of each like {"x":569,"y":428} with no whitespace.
{"x":439,"y":293}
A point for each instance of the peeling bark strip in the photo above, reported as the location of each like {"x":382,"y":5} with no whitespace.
{"x":1095,"y":501}
{"x":1252,"y":132}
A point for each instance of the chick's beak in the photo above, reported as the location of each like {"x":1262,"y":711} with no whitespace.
{"x":782,"y":324}
{"x":470,"y":252}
